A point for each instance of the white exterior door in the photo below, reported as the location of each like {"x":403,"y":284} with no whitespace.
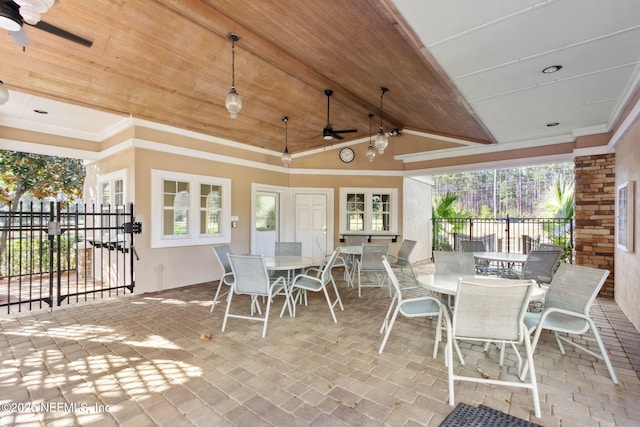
{"x":311,"y":224}
{"x":266,"y":222}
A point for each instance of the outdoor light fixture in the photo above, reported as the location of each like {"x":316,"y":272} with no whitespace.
{"x":233,"y":101}
{"x":4,"y":93}
{"x":371,"y":153}
{"x":381,"y":139}
{"x":31,"y":9}
{"x":552,"y":69}
{"x":286,"y":157}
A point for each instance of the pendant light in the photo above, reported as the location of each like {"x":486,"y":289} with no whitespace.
{"x":381,"y":139}
{"x":4,"y":93}
{"x":233,"y":101}
{"x":286,"y":157}
{"x":371,"y":152}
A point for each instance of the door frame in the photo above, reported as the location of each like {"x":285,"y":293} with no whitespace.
{"x":286,"y":219}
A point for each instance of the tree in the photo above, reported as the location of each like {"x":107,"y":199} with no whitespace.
{"x":558,"y":203}
{"x":448,"y":217}
{"x":39,"y":175}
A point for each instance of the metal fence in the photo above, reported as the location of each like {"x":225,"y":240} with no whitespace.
{"x":52,"y":255}
{"x":506,"y":234}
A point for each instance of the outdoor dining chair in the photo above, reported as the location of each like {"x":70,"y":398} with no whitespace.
{"x":370,"y":265}
{"x":402,"y":259}
{"x":567,"y":306}
{"x":461,"y":263}
{"x":482,"y":266}
{"x":252,"y":278}
{"x":306,"y":282}
{"x":227,"y":274}
{"x":490,"y":309}
{"x":540,"y":266}
{"x":339,"y":261}
{"x":410,"y":301}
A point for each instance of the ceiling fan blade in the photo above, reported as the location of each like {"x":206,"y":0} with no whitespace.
{"x":20,"y":37}
{"x":57,"y":31}
{"x":336,"y":136}
{"x":346,"y":131}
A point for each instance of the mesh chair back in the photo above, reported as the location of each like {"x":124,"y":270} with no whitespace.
{"x":288,"y":249}
{"x":221,"y":253}
{"x":326,"y":272}
{"x":250,"y":273}
{"x":541,"y":265}
{"x":372,"y":257}
{"x":491,"y":309}
{"x":357,"y":240}
{"x":472,"y":246}
{"x":405,"y":252}
{"x":550,"y":247}
{"x":446,"y":247}
{"x":461,"y":263}
{"x":575,"y":287}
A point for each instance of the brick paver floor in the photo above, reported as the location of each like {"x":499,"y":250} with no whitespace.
{"x":147,"y":360}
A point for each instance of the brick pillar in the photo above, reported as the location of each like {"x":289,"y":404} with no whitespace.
{"x":595,"y":214}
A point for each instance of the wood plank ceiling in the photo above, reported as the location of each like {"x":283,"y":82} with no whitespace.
{"x":169,"y":61}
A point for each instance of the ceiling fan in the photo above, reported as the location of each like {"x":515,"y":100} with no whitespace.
{"x":328,"y":133}
{"x":13,"y":15}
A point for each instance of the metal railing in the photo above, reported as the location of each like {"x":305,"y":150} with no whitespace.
{"x":505,"y":234}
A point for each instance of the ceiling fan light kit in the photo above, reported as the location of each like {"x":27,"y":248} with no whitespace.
{"x":381,"y":139}
{"x":328,"y":133}
{"x":286,"y":157}
{"x":31,"y":9}
{"x":233,"y":102}
{"x":10,"y":18}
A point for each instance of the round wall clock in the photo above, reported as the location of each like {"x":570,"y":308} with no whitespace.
{"x":347,"y":155}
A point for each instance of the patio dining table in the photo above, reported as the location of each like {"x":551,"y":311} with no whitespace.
{"x":505,"y":260}
{"x":447,"y":284}
{"x":290,"y":264}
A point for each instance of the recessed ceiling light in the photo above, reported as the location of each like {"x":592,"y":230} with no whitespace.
{"x":553,"y":124}
{"x":552,"y":69}
{"x":40,"y":111}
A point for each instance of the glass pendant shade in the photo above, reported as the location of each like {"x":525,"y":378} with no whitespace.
{"x":233,"y":102}
{"x":286,"y":158}
{"x":4,"y":93}
{"x":381,"y":141}
{"x":371,"y":153}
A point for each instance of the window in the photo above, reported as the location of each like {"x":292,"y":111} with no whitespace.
{"x":113,"y":200}
{"x":370,"y":211}
{"x":189,"y":209}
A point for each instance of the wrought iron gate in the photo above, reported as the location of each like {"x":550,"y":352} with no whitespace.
{"x":53,"y":255}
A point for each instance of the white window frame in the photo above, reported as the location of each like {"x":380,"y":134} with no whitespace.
{"x":193,"y":236}
{"x":111,"y":178}
{"x":368,"y":210}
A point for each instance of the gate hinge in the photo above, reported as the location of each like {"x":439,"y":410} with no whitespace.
{"x":132,"y":227}
{"x":54,"y":228}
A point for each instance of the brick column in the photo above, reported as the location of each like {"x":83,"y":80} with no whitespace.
{"x":595,"y":214}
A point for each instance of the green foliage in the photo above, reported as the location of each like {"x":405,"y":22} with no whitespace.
{"x":26,"y":255}
{"x":447,"y":207}
{"x":40,"y":175}
{"x":559,"y":203}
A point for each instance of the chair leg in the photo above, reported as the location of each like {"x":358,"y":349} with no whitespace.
{"x":605,"y":356}
{"x":266,"y":317}
{"x":326,"y":295}
{"x":215,"y":298}
{"x":385,"y":322}
{"x":338,"y":299}
{"x":534,"y":383}
{"x":388,"y":329}
{"x":226,"y":312}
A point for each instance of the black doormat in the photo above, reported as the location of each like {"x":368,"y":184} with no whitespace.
{"x":482,"y":416}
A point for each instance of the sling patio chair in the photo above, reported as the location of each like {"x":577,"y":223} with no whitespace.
{"x":227,"y":275}
{"x":370,"y":265}
{"x":410,"y":301}
{"x":567,"y":306}
{"x":490,"y":310}
{"x":401,"y":260}
{"x":252,"y":278}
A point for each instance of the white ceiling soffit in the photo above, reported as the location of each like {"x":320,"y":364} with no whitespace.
{"x":494,"y":51}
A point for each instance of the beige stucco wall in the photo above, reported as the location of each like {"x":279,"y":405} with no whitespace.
{"x":627,"y":264}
